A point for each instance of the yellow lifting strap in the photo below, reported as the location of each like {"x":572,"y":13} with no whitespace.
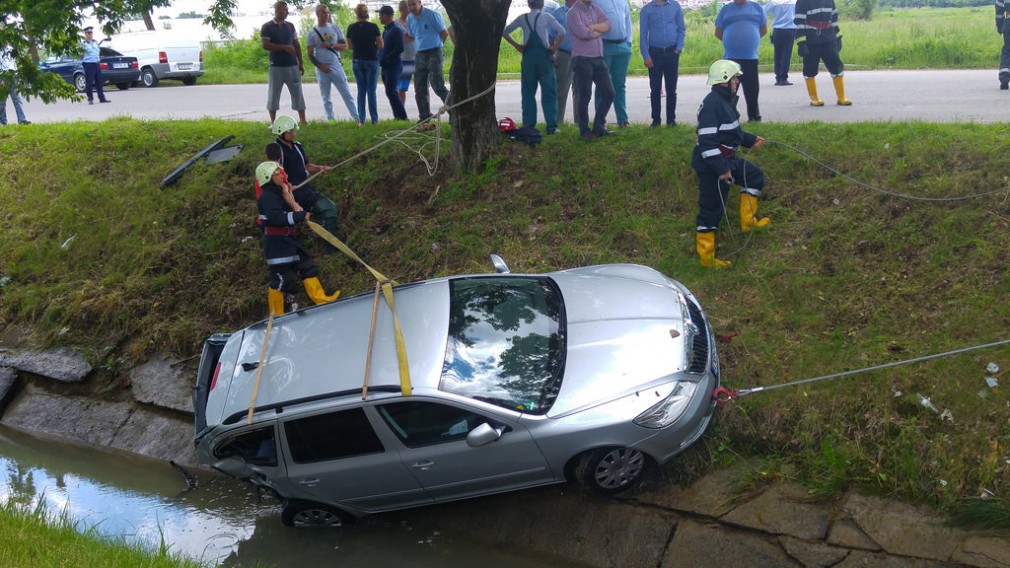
{"x":387,"y":292}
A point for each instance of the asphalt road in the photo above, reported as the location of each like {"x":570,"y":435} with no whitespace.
{"x":935,"y":96}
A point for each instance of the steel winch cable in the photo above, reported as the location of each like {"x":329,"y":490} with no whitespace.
{"x":722,"y":394}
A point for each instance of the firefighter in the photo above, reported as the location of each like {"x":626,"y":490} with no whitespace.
{"x":286,"y":259}
{"x":715,"y":161}
{"x":818,"y":39}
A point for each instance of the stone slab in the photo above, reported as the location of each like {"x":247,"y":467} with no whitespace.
{"x":7,"y":378}
{"x":812,"y":554}
{"x":60,"y":364}
{"x":782,"y":510}
{"x":163,"y":382}
{"x":708,"y":544}
{"x":844,"y":532}
{"x":902,"y":529}
{"x":984,"y":552}
{"x":711,"y":496}
{"x":864,"y":559}
{"x":78,"y":419}
{"x":157,"y":436}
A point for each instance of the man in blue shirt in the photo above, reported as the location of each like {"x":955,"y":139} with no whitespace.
{"x":783,"y":36}
{"x":537,"y":63}
{"x":740,"y":26}
{"x":92,"y":67}
{"x":429,"y":33}
{"x":389,"y":61}
{"x":661,"y":39}
{"x":563,"y":60}
{"x":617,"y":54}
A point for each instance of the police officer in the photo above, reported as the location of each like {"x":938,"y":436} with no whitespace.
{"x":286,"y":259}
{"x":297,"y":166}
{"x":92,"y":67}
{"x":818,"y":39}
{"x":715,"y":161}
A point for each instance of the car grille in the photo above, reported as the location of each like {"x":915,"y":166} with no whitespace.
{"x":699,"y":340}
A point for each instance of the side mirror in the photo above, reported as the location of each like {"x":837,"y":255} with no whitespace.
{"x":499,"y":264}
{"x":484,"y":435}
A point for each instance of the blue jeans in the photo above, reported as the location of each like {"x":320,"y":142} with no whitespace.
{"x":338,"y":79}
{"x":366,"y":74}
{"x":18,"y":105}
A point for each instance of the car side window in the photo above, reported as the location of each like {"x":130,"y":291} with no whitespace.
{"x":256,"y":447}
{"x":331,"y":436}
{"x":420,"y":424}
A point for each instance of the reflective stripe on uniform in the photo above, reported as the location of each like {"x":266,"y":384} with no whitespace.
{"x":709,"y":130}
{"x":730,"y":125}
{"x":710,"y":153}
{"x":751,"y":191}
{"x":283,"y":260}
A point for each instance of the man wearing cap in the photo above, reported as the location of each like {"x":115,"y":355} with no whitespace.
{"x":538,"y":63}
{"x":286,"y":68}
{"x":389,"y":60}
{"x":324,"y":44}
{"x":429,"y":33}
{"x":92,"y":69}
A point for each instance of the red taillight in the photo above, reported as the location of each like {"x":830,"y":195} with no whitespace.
{"x":135,"y":65}
{"x":162,"y":57}
{"x":201,"y":57}
{"x":103,"y":66}
{"x":217,"y":371}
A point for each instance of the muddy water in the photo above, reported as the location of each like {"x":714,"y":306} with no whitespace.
{"x":221,"y":521}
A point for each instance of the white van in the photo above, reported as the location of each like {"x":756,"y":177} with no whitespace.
{"x":161,"y":56}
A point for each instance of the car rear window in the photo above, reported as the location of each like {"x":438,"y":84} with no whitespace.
{"x":506,"y":342}
{"x":331,"y":436}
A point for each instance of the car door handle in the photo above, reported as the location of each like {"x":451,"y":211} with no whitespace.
{"x":423,"y":465}
{"x":310,"y":481}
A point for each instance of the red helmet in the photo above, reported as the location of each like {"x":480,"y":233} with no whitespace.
{"x":506,"y":124}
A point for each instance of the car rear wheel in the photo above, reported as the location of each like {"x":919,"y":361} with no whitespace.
{"x":79,"y":82}
{"x":189,"y":81}
{"x":148,"y":78}
{"x":306,"y":514}
{"x":122,"y":86}
{"x":608,"y":471}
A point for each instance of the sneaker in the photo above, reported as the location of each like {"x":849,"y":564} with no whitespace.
{"x":604,"y":133}
{"x":624,"y":124}
{"x":105,"y":101}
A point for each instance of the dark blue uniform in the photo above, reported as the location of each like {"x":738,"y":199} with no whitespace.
{"x":287,"y":260}
{"x":293,"y":160}
{"x":719,"y":136}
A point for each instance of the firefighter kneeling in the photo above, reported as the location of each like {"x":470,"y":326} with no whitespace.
{"x":286,"y":259}
{"x":715,"y":161}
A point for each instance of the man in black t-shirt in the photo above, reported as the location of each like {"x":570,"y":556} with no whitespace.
{"x":281,"y":40}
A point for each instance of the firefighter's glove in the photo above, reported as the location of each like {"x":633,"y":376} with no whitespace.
{"x":999,"y":25}
{"x":838,"y":39}
{"x":801,"y":47}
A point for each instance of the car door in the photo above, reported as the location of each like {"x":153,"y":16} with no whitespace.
{"x":435,"y":448}
{"x":335,"y":457}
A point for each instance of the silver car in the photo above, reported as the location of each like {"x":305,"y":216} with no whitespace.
{"x":515,"y":381}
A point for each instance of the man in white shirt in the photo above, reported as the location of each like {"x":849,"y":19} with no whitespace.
{"x":324,"y":44}
{"x":8,"y":78}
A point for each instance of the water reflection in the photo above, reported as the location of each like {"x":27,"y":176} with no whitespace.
{"x":222,"y":521}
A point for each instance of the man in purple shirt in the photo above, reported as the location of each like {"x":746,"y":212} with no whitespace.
{"x":586,"y":24}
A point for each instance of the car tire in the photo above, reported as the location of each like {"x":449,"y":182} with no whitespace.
{"x":123,"y":86}
{"x":189,"y":81}
{"x":148,"y":78}
{"x":80,"y":83}
{"x":609,"y":471}
{"x":306,"y":514}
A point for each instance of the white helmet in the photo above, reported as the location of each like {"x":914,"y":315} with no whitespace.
{"x":722,"y":71}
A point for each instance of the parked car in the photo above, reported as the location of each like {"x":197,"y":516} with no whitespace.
{"x":162,"y":55}
{"x":516,"y":381}
{"x":116,"y":68}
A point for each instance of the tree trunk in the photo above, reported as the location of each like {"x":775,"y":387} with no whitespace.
{"x":477,"y":26}
{"x":148,"y":21}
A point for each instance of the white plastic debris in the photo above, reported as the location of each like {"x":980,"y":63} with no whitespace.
{"x":66,"y":243}
{"x":943,"y":482}
{"x":993,"y":382}
{"x":926,"y":402}
{"x":986,"y":494}
{"x":947,"y":415}
{"x":247,"y":238}
{"x":983,"y":394}
{"x":5,"y":280}
{"x":992,"y":368}
{"x":897,"y":394}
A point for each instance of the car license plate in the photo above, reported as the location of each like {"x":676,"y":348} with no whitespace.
{"x":120,"y":65}
{"x":185,"y":66}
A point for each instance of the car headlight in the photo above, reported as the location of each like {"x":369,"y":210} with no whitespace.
{"x":670,"y":409}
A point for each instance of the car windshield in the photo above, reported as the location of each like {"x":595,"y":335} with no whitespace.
{"x":506,"y":342}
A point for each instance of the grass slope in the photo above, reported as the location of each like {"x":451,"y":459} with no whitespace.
{"x":845,"y":278}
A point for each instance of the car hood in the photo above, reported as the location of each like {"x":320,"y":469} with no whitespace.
{"x":625,"y":332}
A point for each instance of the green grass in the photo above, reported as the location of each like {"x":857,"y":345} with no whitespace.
{"x":844,"y":278}
{"x":31,"y":537}
{"x":896,"y":38}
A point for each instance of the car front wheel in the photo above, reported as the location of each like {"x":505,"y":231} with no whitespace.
{"x":79,"y":82}
{"x":306,"y":514}
{"x":148,"y":78}
{"x":608,"y":471}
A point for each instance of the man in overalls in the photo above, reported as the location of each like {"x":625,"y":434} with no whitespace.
{"x":538,"y":63}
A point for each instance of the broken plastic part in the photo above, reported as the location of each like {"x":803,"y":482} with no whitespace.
{"x":947,"y":415}
{"x":993,"y":382}
{"x":925,"y":402}
{"x":992,"y":368}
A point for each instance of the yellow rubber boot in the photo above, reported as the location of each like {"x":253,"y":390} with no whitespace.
{"x":275,"y":299}
{"x":748,"y":213}
{"x":706,"y":251}
{"x":812,"y":91}
{"x":315,"y":290}
{"x":840,"y":90}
